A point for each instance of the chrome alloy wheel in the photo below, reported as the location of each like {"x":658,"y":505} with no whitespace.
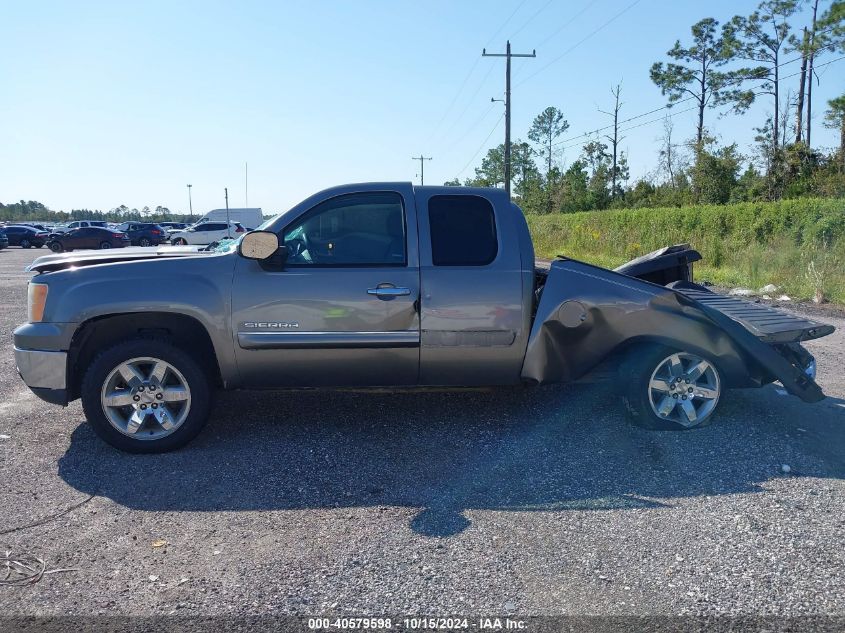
{"x":685,"y":389}
{"x":146,"y":398}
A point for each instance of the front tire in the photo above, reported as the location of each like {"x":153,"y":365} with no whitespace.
{"x":669,"y":389}
{"x":56,"y":247}
{"x":146,"y":396}
{"x":179,"y":241}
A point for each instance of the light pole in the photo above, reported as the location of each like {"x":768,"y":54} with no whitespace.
{"x":228,"y":226}
{"x":190,"y":205}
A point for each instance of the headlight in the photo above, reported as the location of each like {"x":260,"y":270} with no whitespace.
{"x":36,"y":299}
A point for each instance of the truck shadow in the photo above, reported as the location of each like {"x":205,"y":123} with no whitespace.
{"x":549,"y":449}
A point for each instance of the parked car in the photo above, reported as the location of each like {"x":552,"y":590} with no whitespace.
{"x":206,"y":233}
{"x":248,"y":217}
{"x":25,"y":236}
{"x":167,"y":226}
{"x":142,"y":233}
{"x":4,"y":241}
{"x":78,"y":224}
{"x":387,"y":284}
{"x":87,"y":237}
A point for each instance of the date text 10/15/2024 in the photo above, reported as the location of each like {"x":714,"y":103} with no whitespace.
{"x":417,"y":623}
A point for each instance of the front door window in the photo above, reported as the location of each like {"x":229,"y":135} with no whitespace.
{"x":363,"y":229}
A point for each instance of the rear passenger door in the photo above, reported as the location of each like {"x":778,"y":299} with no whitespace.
{"x":473,"y":326}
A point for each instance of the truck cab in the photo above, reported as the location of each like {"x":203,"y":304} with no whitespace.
{"x":388,"y":285}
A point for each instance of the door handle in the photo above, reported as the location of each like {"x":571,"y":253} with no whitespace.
{"x":388,"y":292}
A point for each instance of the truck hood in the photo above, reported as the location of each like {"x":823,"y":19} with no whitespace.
{"x":60,"y":261}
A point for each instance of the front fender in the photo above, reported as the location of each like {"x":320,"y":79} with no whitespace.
{"x":587,"y":313}
{"x":195,"y":287}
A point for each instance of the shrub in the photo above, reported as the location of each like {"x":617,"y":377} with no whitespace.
{"x":748,"y":243}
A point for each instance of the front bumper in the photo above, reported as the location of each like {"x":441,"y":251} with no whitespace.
{"x":45,"y":373}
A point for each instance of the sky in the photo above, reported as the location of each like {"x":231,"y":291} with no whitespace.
{"x":110,"y":103}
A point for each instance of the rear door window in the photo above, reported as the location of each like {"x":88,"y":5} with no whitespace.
{"x":463,"y":231}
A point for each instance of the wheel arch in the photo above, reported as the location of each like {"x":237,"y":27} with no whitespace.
{"x":98,"y":333}
{"x":733,"y":364}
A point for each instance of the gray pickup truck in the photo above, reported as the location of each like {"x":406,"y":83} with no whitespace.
{"x":387,"y":284}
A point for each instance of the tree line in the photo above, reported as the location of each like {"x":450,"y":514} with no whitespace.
{"x":728,"y":67}
{"x":30,"y":210}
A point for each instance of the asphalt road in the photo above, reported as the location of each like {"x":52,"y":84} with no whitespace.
{"x":528,"y":501}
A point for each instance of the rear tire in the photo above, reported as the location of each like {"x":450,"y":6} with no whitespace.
{"x":180,"y":241}
{"x":145,"y":241}
{"x":105,"y":245}
{"x":126,"y":426}
{"x":26,"y":243}
{"x":669,"y":389}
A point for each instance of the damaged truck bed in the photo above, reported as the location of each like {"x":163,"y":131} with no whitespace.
{"x":596,"y":312}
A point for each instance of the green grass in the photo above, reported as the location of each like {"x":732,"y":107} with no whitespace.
{"x":798,"y":245}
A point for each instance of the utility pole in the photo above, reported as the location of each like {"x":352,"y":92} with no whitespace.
{"x":228,"y":226}
{"x":422,"y":160}
{"x":810,"y":63}
{"x":190,"y":205}
{"x":507,"y":55}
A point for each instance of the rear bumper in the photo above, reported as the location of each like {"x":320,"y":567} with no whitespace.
{"x":44,"y":372}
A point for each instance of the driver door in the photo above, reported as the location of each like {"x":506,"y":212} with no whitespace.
{"x":343,"y":309}
{"x":71,"y":239}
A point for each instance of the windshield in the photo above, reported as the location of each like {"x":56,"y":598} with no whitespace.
{"x":267,"y":223}
{"x":227,"y":245}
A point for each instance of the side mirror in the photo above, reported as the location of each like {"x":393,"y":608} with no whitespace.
{"x":259,"y":245}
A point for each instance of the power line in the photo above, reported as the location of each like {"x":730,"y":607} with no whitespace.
{"x":455,"y":98}
{"x":568,"y":22}
{"x":531,"y":19}
{"x":581,"y":41}
{"x":471,"y":70}
{"x":505,"y":23}
{"x":674,"y":103}
{"x":471,"y":100}
{"x":559,"y":29}
{"x":639,"y":116}
{"x":469,"y":129}
{"x":481,"y":147}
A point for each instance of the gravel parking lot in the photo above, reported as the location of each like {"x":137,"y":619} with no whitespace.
{"x":527,"y":501}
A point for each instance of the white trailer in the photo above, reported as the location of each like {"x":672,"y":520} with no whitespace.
{"x":249,"y":218}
